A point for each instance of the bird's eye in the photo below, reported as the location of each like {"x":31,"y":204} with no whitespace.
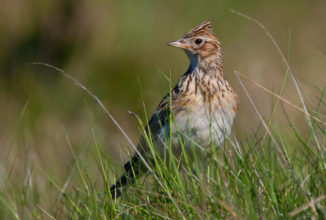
{"x":198,"y":41}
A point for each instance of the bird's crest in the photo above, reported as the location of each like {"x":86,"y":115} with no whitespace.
{"x":203,"y":28}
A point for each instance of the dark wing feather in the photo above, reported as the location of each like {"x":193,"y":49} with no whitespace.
{"x":135,"y":167}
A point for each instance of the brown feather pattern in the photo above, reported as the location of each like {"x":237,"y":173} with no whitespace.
{"x":201,"y":101}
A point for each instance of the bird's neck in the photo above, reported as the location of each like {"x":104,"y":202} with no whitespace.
{"x":209,"y":66}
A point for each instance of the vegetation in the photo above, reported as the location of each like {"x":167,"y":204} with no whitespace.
{"x":59,"y":156}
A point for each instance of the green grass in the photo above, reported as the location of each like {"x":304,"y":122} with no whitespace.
{"x":279,"y":176}
{"x":242,"y":180}
{"x":274,"y":172}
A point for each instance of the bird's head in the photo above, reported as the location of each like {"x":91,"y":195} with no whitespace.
{"x":200,"y":43}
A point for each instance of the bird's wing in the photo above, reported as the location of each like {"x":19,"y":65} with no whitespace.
{"x":159,"y":120}
{"x":172,"y":102}
{"x":135,"y":167}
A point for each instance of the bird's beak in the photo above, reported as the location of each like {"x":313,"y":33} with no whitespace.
{"x":178,"y":43}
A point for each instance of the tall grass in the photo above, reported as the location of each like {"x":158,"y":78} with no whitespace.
{"x":272,"y":172}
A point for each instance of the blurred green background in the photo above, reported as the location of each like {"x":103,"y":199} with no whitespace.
{"x":118,"y":50}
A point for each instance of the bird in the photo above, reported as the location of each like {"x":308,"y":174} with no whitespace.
{"x":203,"y":105}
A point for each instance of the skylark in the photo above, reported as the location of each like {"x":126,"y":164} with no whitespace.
{"x":203,"y":105}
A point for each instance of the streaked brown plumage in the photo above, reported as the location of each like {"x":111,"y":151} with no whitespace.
{"x":203,"y":104}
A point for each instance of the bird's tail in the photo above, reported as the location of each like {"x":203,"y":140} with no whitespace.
{"x":115,"y":189}
{"x":132,"y":170}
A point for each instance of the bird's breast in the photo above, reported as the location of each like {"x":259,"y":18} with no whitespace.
{"x":205,"y":116}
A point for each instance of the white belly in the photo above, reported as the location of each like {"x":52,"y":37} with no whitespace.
{"x":199,"y":129}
